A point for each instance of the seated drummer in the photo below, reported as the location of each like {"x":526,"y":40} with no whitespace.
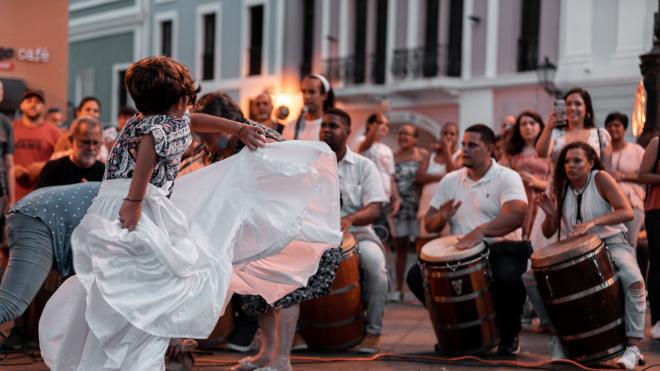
{"x":592,"y":202}
{"x":362,"y":195}
{"x":485,"y":201}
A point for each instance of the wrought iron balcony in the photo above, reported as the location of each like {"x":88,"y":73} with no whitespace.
{"x":405,"y":64}
{"x":425,"y":61}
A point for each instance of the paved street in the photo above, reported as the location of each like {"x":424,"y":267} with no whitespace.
{"x":407,"y":344}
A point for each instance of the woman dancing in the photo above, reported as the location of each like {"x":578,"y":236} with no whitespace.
{"x":150,"y":268}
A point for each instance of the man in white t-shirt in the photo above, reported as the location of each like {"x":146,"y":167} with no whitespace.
{"x":484,"y":201}
{"x":317,"y":97}
{"x":362,"y":196}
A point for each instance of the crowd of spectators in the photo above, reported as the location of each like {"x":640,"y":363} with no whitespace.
{"x":40,"y":148}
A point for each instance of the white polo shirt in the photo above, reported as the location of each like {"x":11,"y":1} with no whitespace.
{"x":481,"y":201}
{"x":309,"y":130}
{"x":359,"y":183}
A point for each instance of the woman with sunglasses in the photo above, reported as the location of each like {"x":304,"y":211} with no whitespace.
{"x":590,"y":201}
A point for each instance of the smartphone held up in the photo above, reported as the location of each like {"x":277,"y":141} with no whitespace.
{"x":560,"y":113}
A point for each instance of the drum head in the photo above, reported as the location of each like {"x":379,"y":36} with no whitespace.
{"x":564,"y":250}
{"x":348,"y":241}
{"x":442,"y":250}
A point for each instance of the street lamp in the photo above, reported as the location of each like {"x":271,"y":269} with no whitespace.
{"x":545,"y":72}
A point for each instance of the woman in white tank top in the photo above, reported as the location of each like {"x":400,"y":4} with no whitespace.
{"x":444,"y":159}
{"x":587,"y":199}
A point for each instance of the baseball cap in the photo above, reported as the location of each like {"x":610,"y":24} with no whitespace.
{"x":33,"y":93}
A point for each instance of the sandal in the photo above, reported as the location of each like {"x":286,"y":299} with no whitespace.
{"x":245,"y":364}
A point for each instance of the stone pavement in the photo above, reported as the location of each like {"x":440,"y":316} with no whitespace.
{"x":407,"y":343}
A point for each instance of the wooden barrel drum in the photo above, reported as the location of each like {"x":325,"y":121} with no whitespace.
{"x":336,"y":321}
{"x":458,"y":296}
{"x":582,"y":296}
{"x":222,"y":330}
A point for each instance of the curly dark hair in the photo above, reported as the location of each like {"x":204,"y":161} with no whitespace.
{"x":157,"y":83}
{"x":516,"y":143}
{"x":221,"y":105}
{"x":589,"y":121}
{"x":560,"y":181}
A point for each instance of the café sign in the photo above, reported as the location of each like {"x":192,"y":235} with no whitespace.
{"x":30,"y":55}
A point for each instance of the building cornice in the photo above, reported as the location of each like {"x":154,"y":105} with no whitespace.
{"x":105,"y":23}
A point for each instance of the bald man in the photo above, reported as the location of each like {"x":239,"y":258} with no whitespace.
{"x":261,"y":111}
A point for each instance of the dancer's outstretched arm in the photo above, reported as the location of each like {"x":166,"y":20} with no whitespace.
{"x":252,"y":136}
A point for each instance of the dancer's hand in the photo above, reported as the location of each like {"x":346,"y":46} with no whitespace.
{"x":253,"y":137}
{"x":129,"y":214}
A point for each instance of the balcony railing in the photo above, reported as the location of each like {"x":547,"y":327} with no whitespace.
{"x":405,"y":64}
{"x":415,"y":63}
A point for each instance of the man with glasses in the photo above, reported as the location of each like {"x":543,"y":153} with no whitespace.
{"x":484,"y":201}
{"x":81,"y":164}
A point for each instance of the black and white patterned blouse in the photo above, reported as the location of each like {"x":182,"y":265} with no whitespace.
{"x":171,"y":139}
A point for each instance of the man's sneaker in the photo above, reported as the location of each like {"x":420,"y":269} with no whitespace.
{"x":509,"y":347}
{"x":556,"y":350}
{"x":655,"y":331}
{"x":13,"y":342}
{"x":369,"y":345}
{"x":240,"y":341}
{"x":630,"y":358}
{"x":299,"y":343}
{"x":395,"y":297}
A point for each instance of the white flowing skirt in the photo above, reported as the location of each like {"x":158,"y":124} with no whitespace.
{"x":256,"y":223}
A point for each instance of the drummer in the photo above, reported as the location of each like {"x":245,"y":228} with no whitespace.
{"x":362,"y":195}
{"x":592,"y":202}
{"x":485,"y":201}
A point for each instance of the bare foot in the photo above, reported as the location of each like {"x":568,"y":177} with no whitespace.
{"x":247,"y":364}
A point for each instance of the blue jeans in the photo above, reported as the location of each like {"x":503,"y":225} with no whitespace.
{"x":30,"y":261}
